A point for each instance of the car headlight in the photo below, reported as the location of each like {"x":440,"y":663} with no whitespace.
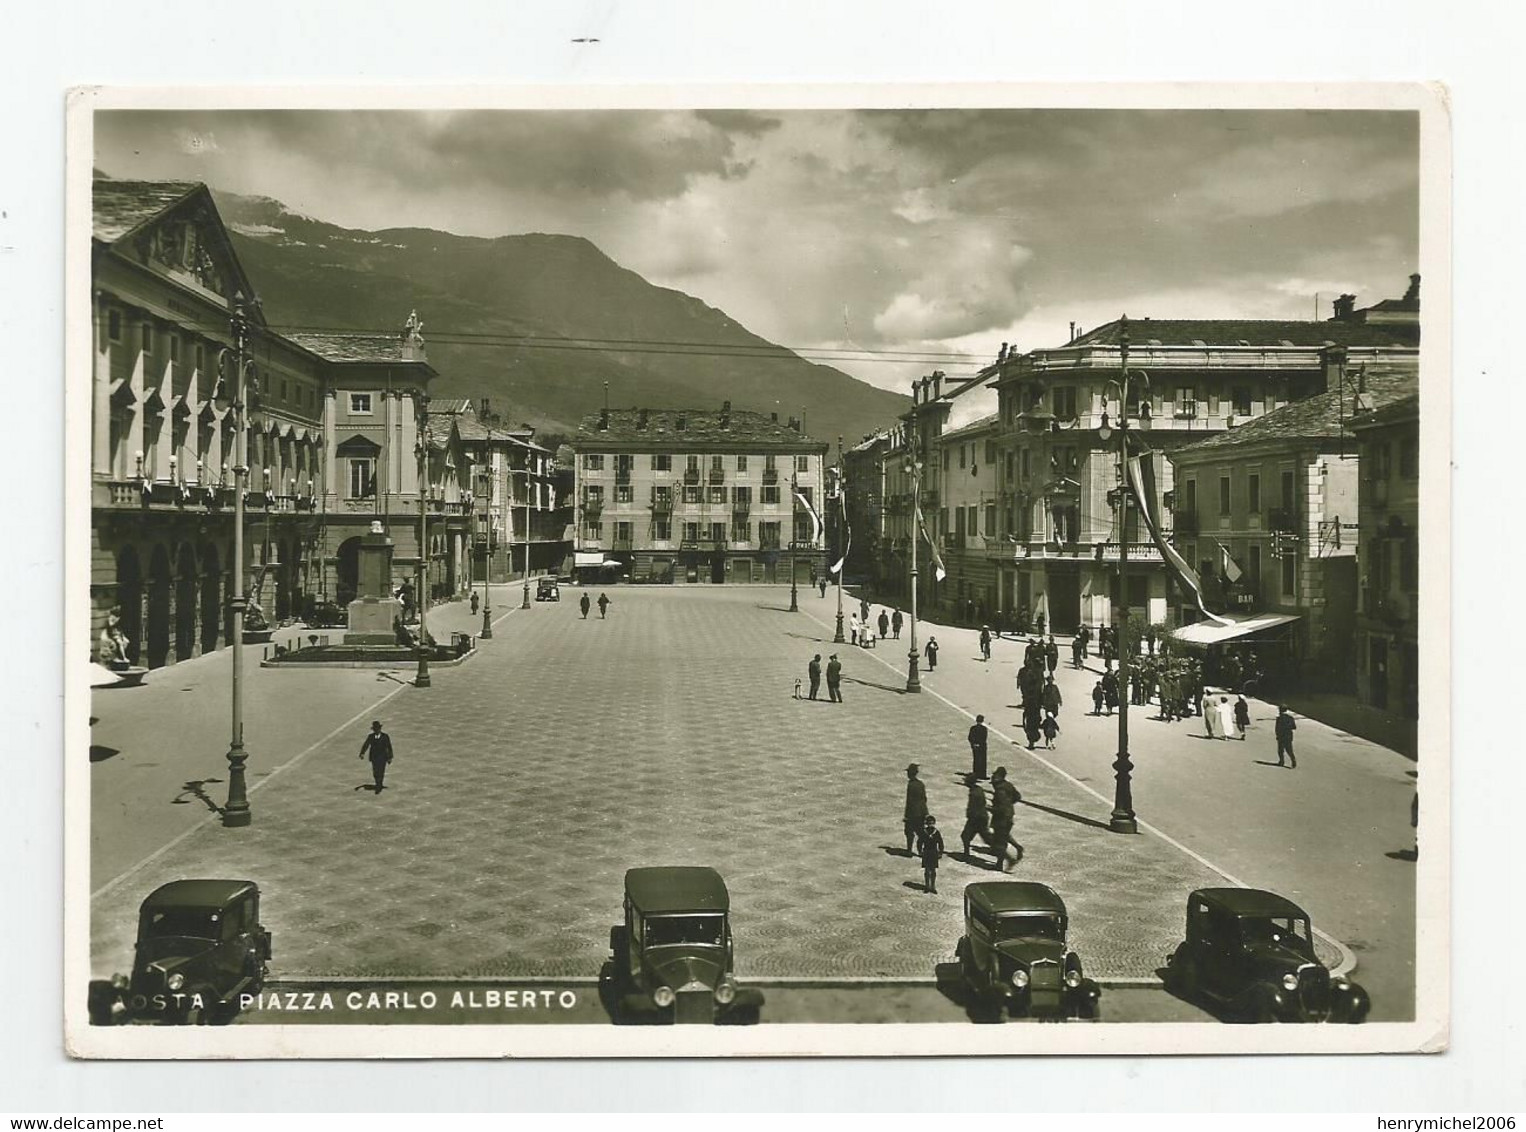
{"x":725,"y":992}
{"x":1072,"y":978}
{"x":1019,"y":978}
{"x":176,"y":981}
{"x":663,"y":996}
{"x":1290,"y":981}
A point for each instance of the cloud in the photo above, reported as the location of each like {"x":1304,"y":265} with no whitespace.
{"x":974,"y":283}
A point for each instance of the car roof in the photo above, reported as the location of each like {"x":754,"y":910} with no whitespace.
{"x":677,"y":888}
{"x":1249,"y":902}
{"x":1015,"y":896}
{"x":198,"y":893}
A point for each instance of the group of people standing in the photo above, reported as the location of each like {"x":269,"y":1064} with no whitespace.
{"x":834,"y":678}
{"x":990,"y":821}
{"x":861,"y":626}
{"x":1038,"y":694}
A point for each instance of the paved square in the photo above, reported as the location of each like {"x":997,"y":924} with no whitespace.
{"x":527,"y":781}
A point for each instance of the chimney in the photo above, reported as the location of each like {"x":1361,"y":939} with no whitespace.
{"x":1333,"y":363}
{"x":774,"y":417}
{"x":680,"y":424}
{"x":914,"y":387}
{"x":937,"y":384}
{"x":1001,"y":357}
{"x":725,"y":406}
{"x":1072,"y":330}
{"x":482,"y":409}
{"x":603,"y":420}
{"x":1344,"y":306}
{"x":1413,"y":294}
{"x":641,"y":418}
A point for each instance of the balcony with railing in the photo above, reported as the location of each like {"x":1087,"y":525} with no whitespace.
{"x":770,"y":475}
{"x":592,"y":508}
{"x":741,"y":508}
{"x":620,"y":544}
{"x":717,"y":475}
{"x":691,"y":476}
{"x":623,"y":475}
{"x":1095,"y":551}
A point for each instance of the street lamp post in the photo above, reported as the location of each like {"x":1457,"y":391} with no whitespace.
{"x":421,"y":678}
{"x":525,"y":603}
{"x":487,"y":543}
{"x":234,"y":388}
{"x":913,"y":468}
{"x":794,"y":595}
{"x":842,"y":519}
{"x":1123,"y":819}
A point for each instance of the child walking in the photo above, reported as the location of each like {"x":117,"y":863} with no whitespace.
{"x":1051,"y":728}
{"x":930,"y":849}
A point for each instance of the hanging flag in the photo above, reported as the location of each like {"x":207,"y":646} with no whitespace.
{"x":1227,"y":563}
{"x":805,"y":502}
{"x":1142,"y":480}
{"x":842,"y":501}
{"x":938,"y":571}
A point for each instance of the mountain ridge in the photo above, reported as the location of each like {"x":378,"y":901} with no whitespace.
{"x":545,"y":286}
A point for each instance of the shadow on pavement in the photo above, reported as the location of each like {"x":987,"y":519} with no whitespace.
{"x":872,"y":684}
{"x":1403,"y":855}
{"x":897,"y":851}
{"x":917,"y":886}
{"x":194,"y":789}
{"x":1067,"y":815}
{"x":99,"y":754}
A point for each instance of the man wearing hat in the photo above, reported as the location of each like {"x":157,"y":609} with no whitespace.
{"x":834,"y":679}
{"x":378,"y":745}
{"x":977,"y":817}
{"x":930,"y":849}
{"x":1004,"y":797}
{"x":978,"y":747}
{"x":814,"y":671}
{"x":916,"y":805}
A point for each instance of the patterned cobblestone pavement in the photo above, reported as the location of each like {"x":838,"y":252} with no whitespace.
{"x":527,"y":781}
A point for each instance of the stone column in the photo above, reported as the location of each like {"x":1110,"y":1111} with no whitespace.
{"x":330,"y":486}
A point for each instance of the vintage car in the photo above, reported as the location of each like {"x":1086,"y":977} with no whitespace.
{"x":671,"y":961}
{"x":200,"y":946}
{"x":1251,"y":954}
{"x":1012,"y":955}
{"x":547,"y":590}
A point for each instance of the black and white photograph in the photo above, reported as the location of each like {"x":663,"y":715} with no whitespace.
{"x":763,"y":570}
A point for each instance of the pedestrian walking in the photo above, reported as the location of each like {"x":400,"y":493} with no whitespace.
{"x":916,"y":804}
{"x":1004,"y":797}
{"x":884,"y":624}
{"x":853,"y":628}
{"x":1098,"y":697}
{"x":583,"y":604}
{"x":863,"y":610}
{"x":978,"y":737}
{"x":930,"y":849}
{"x":931,"y":649}
{"x":895,"y":623}
{"x":1077,"y":651}
{"x":1242,"y":716}
{"x":1109,"y":687}
{"x":834,"y":679}
{"x":1286,"y":725}
{"x":1050,"y":699}
{"x":406,"y":596}
{"x":822,"y":581}
{"x":378,"y":746}
{"x":1052,"y":654}
{"x":1033,"y":717}
{"x":1050,"y":727}
{"x":814,"y":671}
{"x":985,"y":642}
{"x":603,"y":605}
{"x":476,"y":602}
{"x":977,"y":816}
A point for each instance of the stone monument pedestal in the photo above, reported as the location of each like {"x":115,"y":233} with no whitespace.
{"x":374,"y":610}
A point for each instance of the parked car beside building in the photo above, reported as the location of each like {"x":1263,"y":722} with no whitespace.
{"x":1013,"y":953}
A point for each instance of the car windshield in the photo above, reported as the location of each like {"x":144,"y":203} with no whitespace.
{"x":199,"y":923}
{"x":1030,"y":925}
{"x":1284,"y":931}
{"x":705,"y":929}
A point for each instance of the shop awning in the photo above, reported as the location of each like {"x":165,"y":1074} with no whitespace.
{"x":590,"y":560}
{"x":1212,"y":633}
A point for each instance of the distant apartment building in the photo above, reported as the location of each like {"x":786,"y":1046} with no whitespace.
{"x":1269,"y":514}
{"x":688,"y":495}
{"x":865,"y":470}
{"x":968,"y":526}
{"x":1388,"y":571}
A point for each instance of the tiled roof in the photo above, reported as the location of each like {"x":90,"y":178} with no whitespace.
{"x":701,"y":427}
{"x":981,"y":425}
{"x":1250,"y":332}
{"x":869,"y":442}
{"x":353,"y":347}
{"x":1395,"y":412}
{"x":452,"y":405}
{"x":1314,"y":418}
{"x":121,"y":206}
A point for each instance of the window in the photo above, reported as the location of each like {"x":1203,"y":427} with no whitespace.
{"x":741,"y":531}
{"x":802,"y":464}
{"x":717,"y":494}
{"x":593,"y":497}
{"x":946,"y":458}
{"x":1289,"y":574}
{"x":990,"y":519}
{"x":691,"y":464}
{"x":175,"y":348}
{"x":1009,"y":467}
{"x":990,"y":452}
{"x":741,"y":463}
{"x":1025,"y":472}
{"x":1065,"y":402}
{"x":961,"y":456}
{"x":768,"y":536}
{"x":114,"y":326}
{"x":770,"y":493}
{"x":768,"y":464}
{"x":1241,"y":399}
{"x":717,"y":464}
{"x":147,"y":337}
{"x":662,"y":462}
{"x":717,"y":532}
{"x":662,"y":529}
{"x":691,"y":532}
{"x":360,"y":403}
{"x":691,"y":493}
{"x":593,"y":530}
{"x":1186,"y":401}
{"x":803,"y":528}
{"x":284,"y":389}
{"x":623,"y":530}
{"x":1223,"y":495}
{"x":1409,"y":459}
{"x":622,"y":493}
{"x":1381,"y":460}
{"x":362,"y":478}
{"x":593,"y":462}
{"x":741,"y":496}
{"x":1288,"y":502}
{"x":201,"y":357}
{"x":1189,"y":497}
{"x":1253,"y":493}
{"x":1253,"y":568}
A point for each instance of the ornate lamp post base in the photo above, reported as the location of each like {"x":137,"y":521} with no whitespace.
{"x":237,"y":812}
{"x":487,"y":624}
{"x":421,"y":678}
{"x":525,"y":604}
{"x":1122,"y":820}
{"x":913,"y":681}
{"x":838,"y":638}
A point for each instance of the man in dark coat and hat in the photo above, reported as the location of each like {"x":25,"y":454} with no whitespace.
{"x":978,"y":736}
{"x":834,"y":679}
{"x":1004,"y":797}
{"x":583,"y":604}
{"x":977,"y":815}
{"x":814,"y":670}
{"x":378,"y":746}
{"x":916,"y":805}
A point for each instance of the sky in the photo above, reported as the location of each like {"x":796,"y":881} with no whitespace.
{"x":949,"y":231}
